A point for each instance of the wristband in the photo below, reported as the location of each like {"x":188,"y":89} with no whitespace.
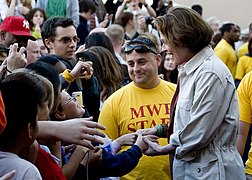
{"x":159,"y":130}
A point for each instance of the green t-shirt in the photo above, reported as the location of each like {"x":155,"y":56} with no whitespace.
{"x":56,"y":8}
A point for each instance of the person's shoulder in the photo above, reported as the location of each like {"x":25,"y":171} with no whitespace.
{"x":243,"y":47}
{"x":121,"y":92}
{"x":168,"y":84}
{"x":247,"y":80}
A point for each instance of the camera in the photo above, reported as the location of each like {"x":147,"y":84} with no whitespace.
{"x":148,"y":20}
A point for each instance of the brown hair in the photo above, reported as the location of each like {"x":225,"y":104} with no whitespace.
{"x":106,"y":69}
{"x":183,"y":27}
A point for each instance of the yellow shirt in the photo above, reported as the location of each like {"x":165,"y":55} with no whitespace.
{"x":242,"y":50}
{"x":244,"y":66}
{"x":227,"y":54}
{"x":132,"y":108}
{"x":244,"y":92}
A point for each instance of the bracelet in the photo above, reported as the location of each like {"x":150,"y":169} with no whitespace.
{"x":159,"y":132}
{"x":8,"y":70}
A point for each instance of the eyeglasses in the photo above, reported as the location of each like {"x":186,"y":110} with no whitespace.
{"x":69,"y":100}
{"x":138,"y":48}
{"x":68,"y":40}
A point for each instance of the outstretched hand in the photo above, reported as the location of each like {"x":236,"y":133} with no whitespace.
{"x":147,"y":131}
{"x":155,"y":148}
{"x":81,"y":131}
{"x":127,"y":139}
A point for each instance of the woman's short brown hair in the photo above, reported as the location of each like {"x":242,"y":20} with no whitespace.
{"x":183,"y":27}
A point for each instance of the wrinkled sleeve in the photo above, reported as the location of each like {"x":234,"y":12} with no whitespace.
{"x":207,"y":111}
{"x":120,"y":164}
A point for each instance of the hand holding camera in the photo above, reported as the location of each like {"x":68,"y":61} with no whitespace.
{"x":83,"y":69}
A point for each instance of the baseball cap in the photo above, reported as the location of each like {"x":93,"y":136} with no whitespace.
{"x":17,"y":26}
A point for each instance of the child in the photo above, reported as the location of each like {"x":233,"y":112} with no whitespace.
{"x":109,"y":164}
{"x":23,"y":93}
{"x":36,"y":17}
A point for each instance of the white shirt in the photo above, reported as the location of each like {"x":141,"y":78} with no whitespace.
{"x":24,"y":169}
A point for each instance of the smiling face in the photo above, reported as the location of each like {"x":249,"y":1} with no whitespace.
{"x":143,"y":69}
{"x":64,"y":43}
{"x":70,"y":108}
{"x":179,"y":55}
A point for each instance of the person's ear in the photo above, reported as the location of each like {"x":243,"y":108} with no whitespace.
{"x":48,"y":43}
{"x":60,"y":115}
{"x":2,"y":35}
{"x":158,"y":59}
{"x":123,"y":41}
{"x":31,"y":132}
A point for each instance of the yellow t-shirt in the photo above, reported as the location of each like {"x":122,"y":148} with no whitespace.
{"x":242,"y":50}
{"x":244,"y":92}
{"x":244,"y":66}
{"x":132,"y":108}
{"x":227,"y":54}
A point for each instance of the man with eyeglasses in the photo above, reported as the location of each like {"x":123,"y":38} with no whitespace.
{"x":60,"y":38}
{"x":143,"y":103}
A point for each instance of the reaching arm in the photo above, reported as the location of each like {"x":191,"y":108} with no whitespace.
{"x":121,"y":9}
{"x":75,"y":131}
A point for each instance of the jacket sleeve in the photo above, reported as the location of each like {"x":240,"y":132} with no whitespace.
{"x":207,"y":111}
{"x":119,"y":164}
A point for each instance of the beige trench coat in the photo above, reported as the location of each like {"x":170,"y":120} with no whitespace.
{"x":206,"y":121}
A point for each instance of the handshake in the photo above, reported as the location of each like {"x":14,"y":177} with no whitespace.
{"x":147,"y":141}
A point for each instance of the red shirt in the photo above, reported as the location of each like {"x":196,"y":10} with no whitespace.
{"x":47,"y":166}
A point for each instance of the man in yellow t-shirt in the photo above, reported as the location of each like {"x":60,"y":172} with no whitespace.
{"x":244,"y":92}
{"x":143,"y":103}
{"x":244,"y":48}
{"x":225,"y":49}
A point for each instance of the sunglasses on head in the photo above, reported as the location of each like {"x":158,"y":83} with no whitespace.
{"x":144,"y":41}
{"x":138,"y":48}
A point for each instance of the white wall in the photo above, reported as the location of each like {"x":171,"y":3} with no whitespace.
{"x":238,"y":12}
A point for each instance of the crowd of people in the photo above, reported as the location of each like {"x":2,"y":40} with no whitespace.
{"x":149,"y":91}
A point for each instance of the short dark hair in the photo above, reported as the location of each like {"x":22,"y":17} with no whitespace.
{"x":86,"y":5}
{"x":48,"y":30}
{"x":99,"y":39}
{"x":197,"y":8}
{"x":22,"y":92}
{"x":226,"y":28}
{"x":48,"y":71}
